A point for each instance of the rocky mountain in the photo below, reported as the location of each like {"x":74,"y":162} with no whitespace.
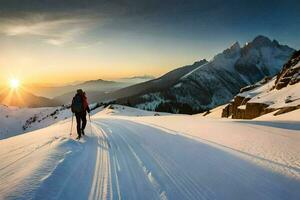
{"x":205,"y":85}
{"x":280,"y":94}
{"x":22,"y":98}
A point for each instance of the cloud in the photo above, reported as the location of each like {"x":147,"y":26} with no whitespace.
{"x":58,"y":31}
{"x":88,"y":45}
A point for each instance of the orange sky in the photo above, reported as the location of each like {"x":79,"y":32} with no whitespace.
{"x":59,"y":71}
{"x":42,"y":63}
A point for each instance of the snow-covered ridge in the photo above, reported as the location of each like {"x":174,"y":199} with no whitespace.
{"x":191,"y":72}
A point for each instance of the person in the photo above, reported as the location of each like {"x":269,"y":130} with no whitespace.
{"x":79,"y":107}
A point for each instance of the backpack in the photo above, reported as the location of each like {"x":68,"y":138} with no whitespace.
{"x":77,"y":104}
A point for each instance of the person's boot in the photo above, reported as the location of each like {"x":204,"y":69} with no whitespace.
{"x":78,"y":137}
{"x":82,"y":132}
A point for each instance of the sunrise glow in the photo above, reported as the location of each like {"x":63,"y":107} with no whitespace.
{"x":14,"y":83}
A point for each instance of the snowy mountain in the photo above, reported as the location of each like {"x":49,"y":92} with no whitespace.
{"x":278,"y":95}
{"x":209,"y":84}
{"x":160,"y":84}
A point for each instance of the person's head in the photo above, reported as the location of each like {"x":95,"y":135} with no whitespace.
{"x":80,"y":91}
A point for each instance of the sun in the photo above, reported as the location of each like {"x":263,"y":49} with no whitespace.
{"x":14,"y":83}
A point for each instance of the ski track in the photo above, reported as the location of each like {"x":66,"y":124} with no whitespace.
{"x":121,"y":159}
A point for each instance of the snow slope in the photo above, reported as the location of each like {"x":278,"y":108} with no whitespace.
{"x":15,"y":120}
{"x":119,"y":110}
{"x":285,"y":97}
{"x":153,"y":157}
{"x":290,"y":116}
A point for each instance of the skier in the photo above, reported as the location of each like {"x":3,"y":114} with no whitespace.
{"x":80,"y":106}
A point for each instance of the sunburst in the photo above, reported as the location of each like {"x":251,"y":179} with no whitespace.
{"x":14,"y":83}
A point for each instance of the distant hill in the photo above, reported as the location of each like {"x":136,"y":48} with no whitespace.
{"x":22,"y":98}
{"x":92,"y":86}
{"x":93,"y":96}
{"x":136,"y":79}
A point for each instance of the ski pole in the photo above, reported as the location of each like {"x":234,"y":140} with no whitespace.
{"x":90,"y":122}
{"x":72,"y":124}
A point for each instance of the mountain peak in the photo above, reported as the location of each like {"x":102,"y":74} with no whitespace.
{"x":96,"y":81}
{"x":235,"y":46}
{"x":232,"y":51}
{"x":261,"y":40}
{"x":200,"y":62}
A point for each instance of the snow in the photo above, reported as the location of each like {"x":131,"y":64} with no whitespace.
{"x":263,"y":88}
{"x":153,"y":101}
{"x":271,"y":144}
{"x":119,"y":110}
{"x":277,"y":98}
{"x":154,"y":157}
{"x":194,"y":70}
{"x":243,"y":107}
{"x":286,"y":97}
{"x":13,"y":119}
{"x":226,"y":59}
{"x":296,"y":66}
{"x":177,"y":85}
{"x":214,"y":113}
{"x":290,"y":116}
{"x":268,"y":54}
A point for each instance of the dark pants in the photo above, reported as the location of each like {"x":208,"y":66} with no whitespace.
{"x":80,"y":117}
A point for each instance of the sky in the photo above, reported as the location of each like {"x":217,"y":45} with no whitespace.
{"x":61,"y":41}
